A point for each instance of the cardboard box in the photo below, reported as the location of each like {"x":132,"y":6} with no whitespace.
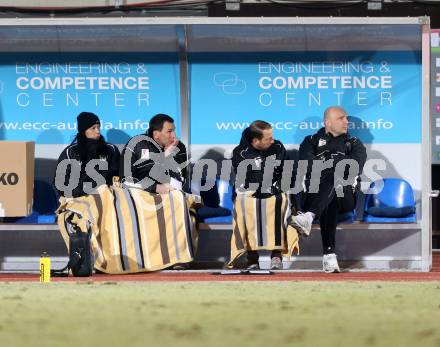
{"x":17,"y":161}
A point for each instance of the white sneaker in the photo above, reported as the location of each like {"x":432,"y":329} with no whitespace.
{"x":302,"y":222}
{"x":330,"y":263}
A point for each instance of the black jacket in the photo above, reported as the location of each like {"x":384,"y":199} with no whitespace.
{"x":148,"y":161}
{"x":245,"y":151}
{"x":325,"y":146}
{"x":72,"y":152}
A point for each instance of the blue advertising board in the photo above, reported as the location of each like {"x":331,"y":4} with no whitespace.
{"x":381,"y":92}
{"x":41,"y":94}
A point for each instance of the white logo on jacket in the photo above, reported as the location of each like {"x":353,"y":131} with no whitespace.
{"x":258,"y":161}
{"x":145,"y":154}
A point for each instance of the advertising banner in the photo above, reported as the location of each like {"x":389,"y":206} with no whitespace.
{"x":41,"y":94}
{"x":435,"y":95}
{"x":381,"y":91}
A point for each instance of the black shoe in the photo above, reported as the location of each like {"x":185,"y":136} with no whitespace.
{"x":180,"y":267}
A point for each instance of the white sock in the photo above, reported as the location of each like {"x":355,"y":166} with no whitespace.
{"x":310,"y":216}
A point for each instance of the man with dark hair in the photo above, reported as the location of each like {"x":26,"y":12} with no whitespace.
{"x":337,"y":190}
{"x":157,"y":123}
{"x":260,"y":207}
{"x":157,"y":160}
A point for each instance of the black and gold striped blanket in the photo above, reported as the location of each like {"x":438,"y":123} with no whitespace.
{"x":261,"y":224}
{"x":132,"y":230}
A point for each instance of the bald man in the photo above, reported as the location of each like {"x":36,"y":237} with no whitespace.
{"x":337,"y":186}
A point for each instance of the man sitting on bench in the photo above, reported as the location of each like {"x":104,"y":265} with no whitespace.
{"x":260,"y":209}
{"x":331,"y":145}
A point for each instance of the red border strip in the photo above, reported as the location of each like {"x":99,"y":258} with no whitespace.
{"x":209,"y":277}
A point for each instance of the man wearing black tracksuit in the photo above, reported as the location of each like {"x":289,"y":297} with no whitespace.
{"x":155,"y":161}
{"x":337,"y":187}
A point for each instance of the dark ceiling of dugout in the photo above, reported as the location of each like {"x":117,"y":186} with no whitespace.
{"x":236,"y":8}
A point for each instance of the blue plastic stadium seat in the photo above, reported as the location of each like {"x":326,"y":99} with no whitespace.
{"x":218,"y":204}
{"x":395,"y":203}
{"x":44,"y":206}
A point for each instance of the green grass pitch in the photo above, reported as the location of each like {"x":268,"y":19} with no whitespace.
{"x":220,"y":314}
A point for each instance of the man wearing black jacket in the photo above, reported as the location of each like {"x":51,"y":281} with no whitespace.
{"x":155,"y":161}
{"x":336,"y":187}
{"x":256,"y":152}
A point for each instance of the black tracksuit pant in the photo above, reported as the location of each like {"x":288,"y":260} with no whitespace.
{"x":326,"y":206}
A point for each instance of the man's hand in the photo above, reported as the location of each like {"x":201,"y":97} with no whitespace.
{"x":171,"y":148}
{"x":163,"y":188}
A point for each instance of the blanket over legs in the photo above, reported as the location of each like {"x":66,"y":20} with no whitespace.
{"x":132,"y":230}
{"x":261,"y":224}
